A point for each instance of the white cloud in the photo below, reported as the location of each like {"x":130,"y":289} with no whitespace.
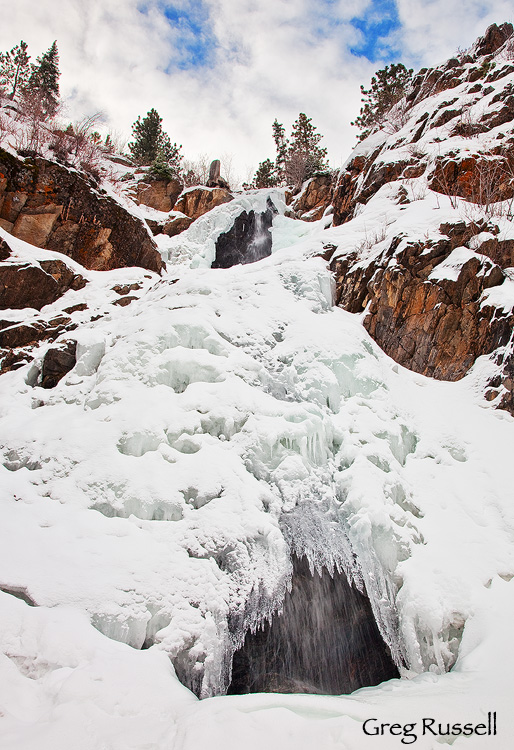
{"x":433,"y":30}
{"x":270,"y":58}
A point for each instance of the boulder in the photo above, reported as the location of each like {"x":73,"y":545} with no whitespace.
{"x":57,"y":362}
{"x":214,"y":172}
{"x":17,"y":340}
{"x":35,"y":225}
{"x":176,"y":224}
{"x":155,"y":226}
{"x":493,"y":38}
{"x":198,"y":201}
{"x":35,"y":285}
{"x":159,"y":194}
{"x":5,"y":250}
{"x":314,"y":198}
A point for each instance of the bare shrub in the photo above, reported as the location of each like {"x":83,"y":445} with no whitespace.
{"x":82,"y":134}
{"x":417,"y":189}
{"x":492,"y":186}
{"x":490,"y":191}
{"x":377,"y":235}
{"x":32,"y":116}
{"x":61,"y":145}
{"x":80,"y":145}
{"x":113,"y":177}
{"x":196,"y":171}
{"x":416,"y":151}
{"x":114,"y":143}
{"x":90,"y":159}
{"x":228,"y":171}
{"x":397,"y":117}
{"x":295,"y":168}
{"x":469,"y":124}
{"x":446,"y":183}
{"x":7,"y":127}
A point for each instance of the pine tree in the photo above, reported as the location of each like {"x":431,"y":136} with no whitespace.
{"x":304,"y":155}
{"x":44,"y":81}
{"x":152,"y":146}
{"x":169,"y":154}
{"x":281,"y":144}
{"x":266,"y":175}
{"x":298,"y":157}
{"x":15,"y":69}
{"x":388,"y":86}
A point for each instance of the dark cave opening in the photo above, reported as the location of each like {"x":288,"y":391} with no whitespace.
{"x":325,"y":641}
{"x":248,"y":240}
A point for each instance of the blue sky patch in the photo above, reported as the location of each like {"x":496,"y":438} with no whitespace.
{"x":194,"y":43}
{"x":376,"y":25}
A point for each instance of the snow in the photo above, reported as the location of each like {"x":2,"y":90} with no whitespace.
{"x":146,"y":494}
{"x":501,"y":296}
{"x":150,"y":501}
{"x":451,"y":266}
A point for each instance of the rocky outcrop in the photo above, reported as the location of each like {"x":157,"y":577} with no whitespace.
{"x":482,"y":179}
{"x":310,"y":204}
{"x":215,"y":178}
{"x":159,"y":194}
{"x":35,"y":284}
{"x":17,"y":340}
{"x":5,"y":250}
{"x":176,"y":224}
{"x":55,"y":208}
{"x":428,"y":311}
{"x":214,"y":173}
{"x":427,"y":319}
{"x":197,"y":201}
{"x":479,"y":177}
{"x":248,"y":240}
{"x":57,"y":362}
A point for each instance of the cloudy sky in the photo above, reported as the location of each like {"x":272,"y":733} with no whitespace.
{"x":220,"y":71}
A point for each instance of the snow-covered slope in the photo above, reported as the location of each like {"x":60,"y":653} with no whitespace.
{"x":151,"y":491}
{"x":427,"y":209}
{"x":219,"y":421}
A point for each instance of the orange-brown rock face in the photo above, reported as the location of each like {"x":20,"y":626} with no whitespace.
{"x":197,"y":201}
{"x":55,"y":208}
{"x":35,"y":285}
{"x":465,"y":112}
{"x":31,"y":285}
{"x":314,"y":198}
{"x":452,"y":142}
{"x":159,"y":194}
{"x":432,"y":324}
{"x":176,"y":225}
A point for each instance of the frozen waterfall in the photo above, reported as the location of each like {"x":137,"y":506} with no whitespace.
{"x":325,"y":640}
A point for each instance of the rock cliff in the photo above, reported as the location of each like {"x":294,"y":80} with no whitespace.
{"x":56,"y":208}
{"x":431,"y":197}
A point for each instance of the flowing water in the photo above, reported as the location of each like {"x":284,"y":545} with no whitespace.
{"x":247,"y":241}
{"x":325,"y":641}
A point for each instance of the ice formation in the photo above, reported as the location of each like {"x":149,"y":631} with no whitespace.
{"x":224,"y":421}
{"x":227,"y":418}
